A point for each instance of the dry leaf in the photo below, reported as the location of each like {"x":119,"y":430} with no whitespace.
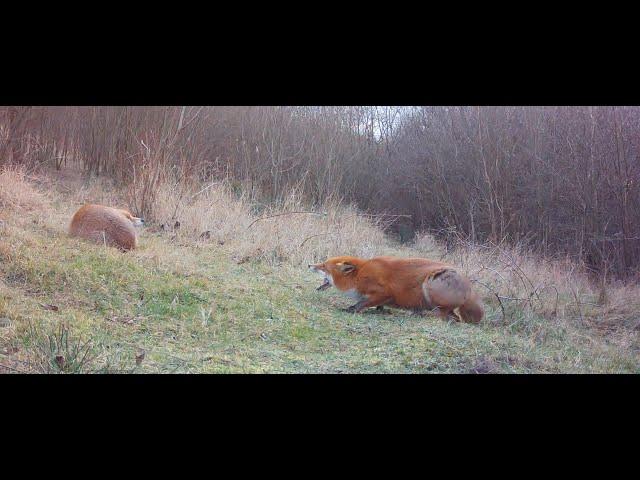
{"x":140,"y":357}
{"x":60,"y":361}
{"x":46,"y":306}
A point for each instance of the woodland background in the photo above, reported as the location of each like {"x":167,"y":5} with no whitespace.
{"x":559,"y":180}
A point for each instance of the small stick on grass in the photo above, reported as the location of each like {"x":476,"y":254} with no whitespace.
{"x":316,"y":235}
{"x":504,"y":316}
{"x":285,"y":213}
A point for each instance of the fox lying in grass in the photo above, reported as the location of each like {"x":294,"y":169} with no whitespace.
{"x":110,"y":226}
{"x":410,"y":283}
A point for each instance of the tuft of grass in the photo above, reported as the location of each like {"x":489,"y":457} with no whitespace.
{"x":58,"y":351}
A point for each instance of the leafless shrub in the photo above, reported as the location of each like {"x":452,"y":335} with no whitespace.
{"x":560,"y":180}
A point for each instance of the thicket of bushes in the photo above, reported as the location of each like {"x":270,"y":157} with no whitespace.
{"x":561,"y":180}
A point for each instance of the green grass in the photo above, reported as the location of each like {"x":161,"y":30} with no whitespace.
{"x":196,"y":310}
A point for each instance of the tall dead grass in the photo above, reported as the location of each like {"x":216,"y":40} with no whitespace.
{"x":287,"y":232}
{"x":17,"y":193}
{"x":520,"y":285}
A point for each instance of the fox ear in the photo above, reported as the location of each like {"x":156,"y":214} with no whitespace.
{"x":346,"y":267}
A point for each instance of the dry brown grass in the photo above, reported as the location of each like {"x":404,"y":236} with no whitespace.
{"x":17,"y":193}
{"x":289,"y":232}
{"x":520,"y":284}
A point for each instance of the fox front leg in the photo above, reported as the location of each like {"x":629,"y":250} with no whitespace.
{"x":364,"y":303}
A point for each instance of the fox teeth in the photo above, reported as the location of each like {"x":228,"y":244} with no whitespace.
{"x":326,"y":284}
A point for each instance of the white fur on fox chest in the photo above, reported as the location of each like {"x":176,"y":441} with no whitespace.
{"x":352,"y":292}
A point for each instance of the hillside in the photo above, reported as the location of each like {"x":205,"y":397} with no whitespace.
{"x":240,"y":299}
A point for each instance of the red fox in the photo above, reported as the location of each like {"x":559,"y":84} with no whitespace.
{"x":410,"y":283}
{"x":111,"y":226}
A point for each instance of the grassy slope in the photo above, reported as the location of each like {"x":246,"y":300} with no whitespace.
{"x":195,"y":309}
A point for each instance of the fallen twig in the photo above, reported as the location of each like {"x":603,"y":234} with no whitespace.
{"x":316,"y":235}
{"x":504,"y":315}
{"x":205,"y":188}
{"x":285,"y":213}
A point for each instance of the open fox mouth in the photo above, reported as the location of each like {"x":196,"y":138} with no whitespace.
{"x":326,"y":284}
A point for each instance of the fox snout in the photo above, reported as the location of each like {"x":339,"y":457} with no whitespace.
{"x":317,"y":268}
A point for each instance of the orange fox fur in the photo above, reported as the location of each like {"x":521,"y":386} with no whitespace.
{"x":111,"y":226}
{"x":410,"y":283}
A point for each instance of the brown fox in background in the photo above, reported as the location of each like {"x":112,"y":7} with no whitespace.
{"x":410,"y":283}
{"x":111,"y":226}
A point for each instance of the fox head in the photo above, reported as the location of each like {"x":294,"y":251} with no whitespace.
{"x":336,"y":270}
{"x":137,"y":221}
